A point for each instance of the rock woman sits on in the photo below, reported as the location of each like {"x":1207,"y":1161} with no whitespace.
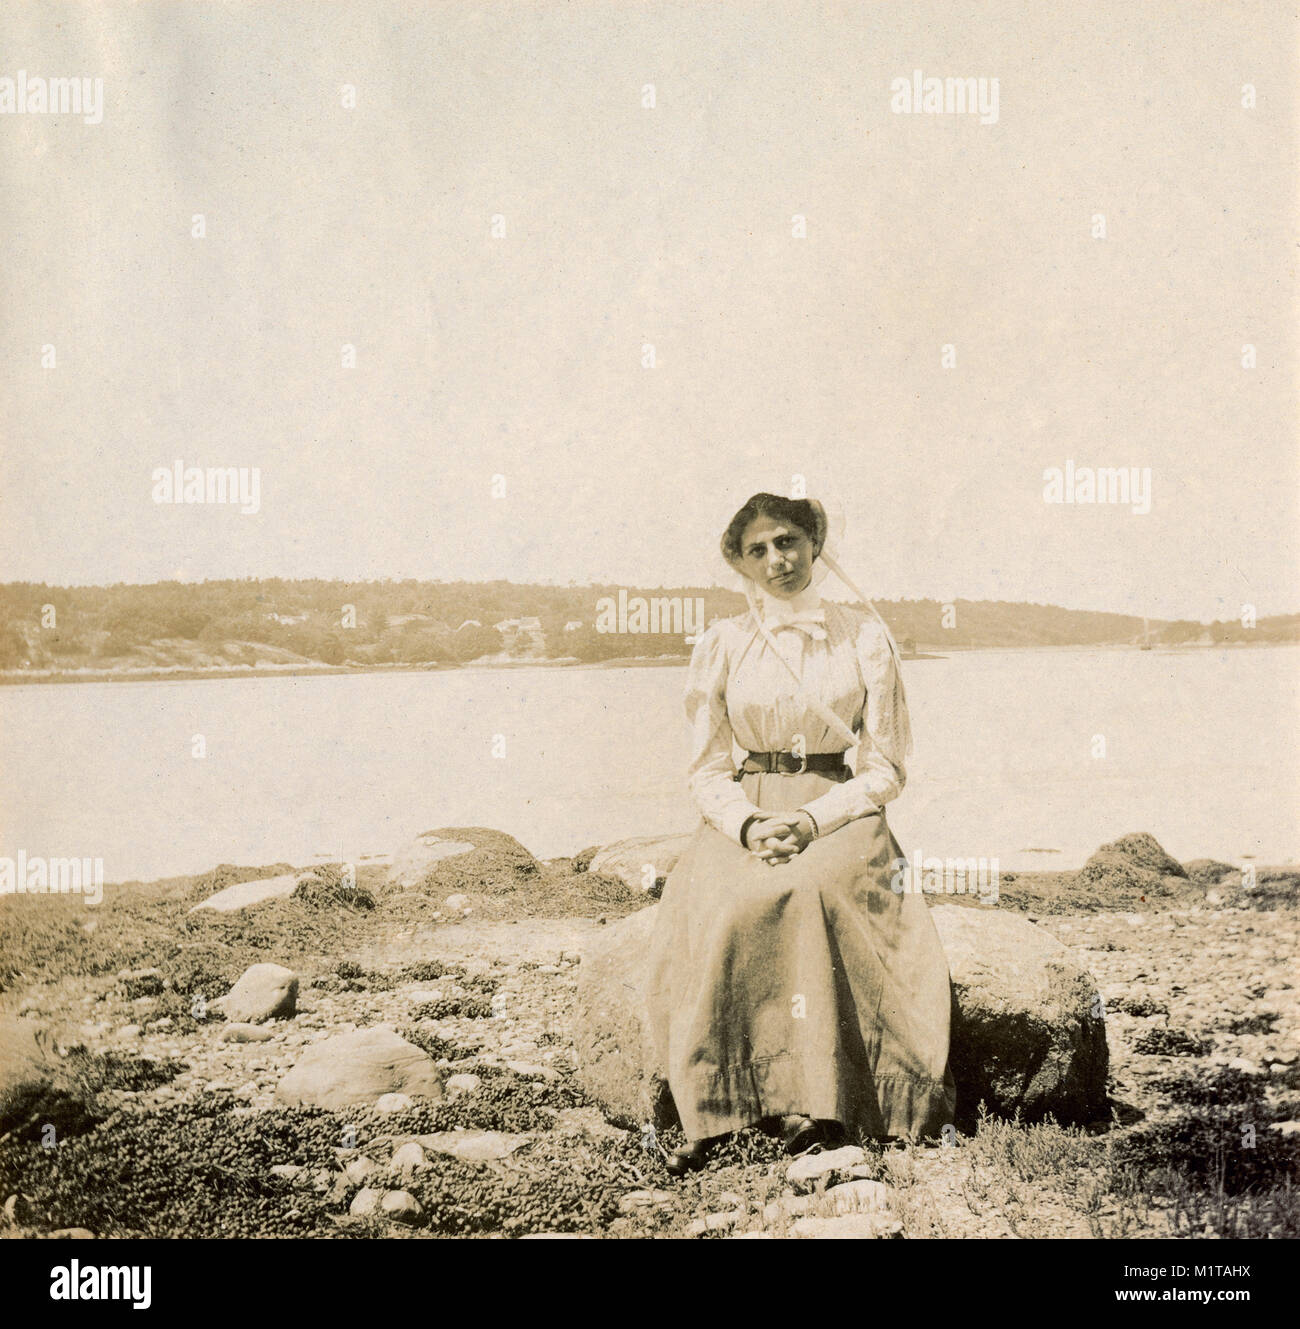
{"x":791,"y":985}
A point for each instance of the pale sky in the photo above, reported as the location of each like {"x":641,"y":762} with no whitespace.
{"x":670,"y":225}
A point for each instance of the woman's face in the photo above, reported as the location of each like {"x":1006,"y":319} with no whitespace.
{"x":778,"y":555}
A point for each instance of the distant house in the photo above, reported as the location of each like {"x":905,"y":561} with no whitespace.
{"x":523,"y":636}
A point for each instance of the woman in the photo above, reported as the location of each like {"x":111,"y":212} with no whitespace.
{"x":790,"y":980}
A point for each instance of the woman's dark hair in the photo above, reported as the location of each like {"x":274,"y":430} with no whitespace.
{"x":800,"y":512}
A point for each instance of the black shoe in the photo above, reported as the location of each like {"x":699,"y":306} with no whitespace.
{"x":801,"y":1133}
{"x":689,"y":1158}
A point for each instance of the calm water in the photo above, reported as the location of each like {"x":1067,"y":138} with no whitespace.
{"x":1201,"y":750}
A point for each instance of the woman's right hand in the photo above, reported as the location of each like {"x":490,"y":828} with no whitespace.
{"x":769,"y":839}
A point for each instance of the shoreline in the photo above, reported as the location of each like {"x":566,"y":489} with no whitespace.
{"x":22,"y":677}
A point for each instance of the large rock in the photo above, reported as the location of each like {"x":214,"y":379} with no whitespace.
{"x":1027,"y":1032}
{"x":358,"y":1068}
{"x":460,"y":859}
{"x":1129,"y":862}
{"x":643,"y":862}
{"x":244,"y":894}
{"x":36,"y":1091}
{"x":617,"y":1063}
{"x":264,"y":992}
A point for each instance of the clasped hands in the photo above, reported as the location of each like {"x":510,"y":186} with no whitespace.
{"x":777,"y":839}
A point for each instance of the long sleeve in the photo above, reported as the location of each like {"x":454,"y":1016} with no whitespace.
{"x":711,"y":778}
{"x":884,"y":734}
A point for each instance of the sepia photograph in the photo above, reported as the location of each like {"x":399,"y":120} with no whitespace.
{"x":649,"y":620}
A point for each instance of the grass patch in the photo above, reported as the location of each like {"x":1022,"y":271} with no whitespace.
{"x":1169,"y":1043}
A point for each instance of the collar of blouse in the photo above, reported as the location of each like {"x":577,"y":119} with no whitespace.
{"x":803,"y":612}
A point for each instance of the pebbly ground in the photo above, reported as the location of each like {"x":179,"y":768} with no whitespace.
{"x":1202,"y":1018}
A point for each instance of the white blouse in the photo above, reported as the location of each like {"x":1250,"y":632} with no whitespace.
{"x":736,"y":690}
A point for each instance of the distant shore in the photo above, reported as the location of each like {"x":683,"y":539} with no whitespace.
{"x":17,"y":677}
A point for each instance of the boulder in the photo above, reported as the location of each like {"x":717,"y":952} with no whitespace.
{"x":643,"y":862}
{"x":36,"y":1091}
{"x":1132,"y":861}
{"x":246,"y":893}
{"x":617,"y":1062}
{"x":453,"y":860}
{"x":359,"y":1068}
{"x":1027,"y":1033}
{"x":264,"y":992}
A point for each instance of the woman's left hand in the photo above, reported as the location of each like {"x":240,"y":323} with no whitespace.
{"x":797,"y":834}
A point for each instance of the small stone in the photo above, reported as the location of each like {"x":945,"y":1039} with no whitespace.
{"x":857,"y":1197}
{"x":359,"y":1169}
{"x":463,"y":1083}
{"x":532,"y":1070}
{"x":1286,"y":1128}
{"x":287,"y":1171}
{"x":803,"y":1172}
{"x":245,"y":1033}
{"x":401,"y":1207}
{"x":129,"y":1031}
{"x":409,"y":1158}
{"x":365,"y":1202}
{"x":719,"y":1222}
{"x":72,"y":1234}
{"x":788,"y":1206}
{"x":473,"y":1146}
{"x":163,"y":1022}
{"x":394,"y":1103}
{"x":456,"y":903}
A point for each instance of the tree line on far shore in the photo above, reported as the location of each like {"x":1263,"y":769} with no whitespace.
{"x":224,"y":623}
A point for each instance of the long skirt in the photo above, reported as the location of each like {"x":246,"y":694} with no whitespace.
{"x":813,"y":988}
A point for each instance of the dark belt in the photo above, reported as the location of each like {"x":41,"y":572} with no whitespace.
{"x":790,"y":763}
